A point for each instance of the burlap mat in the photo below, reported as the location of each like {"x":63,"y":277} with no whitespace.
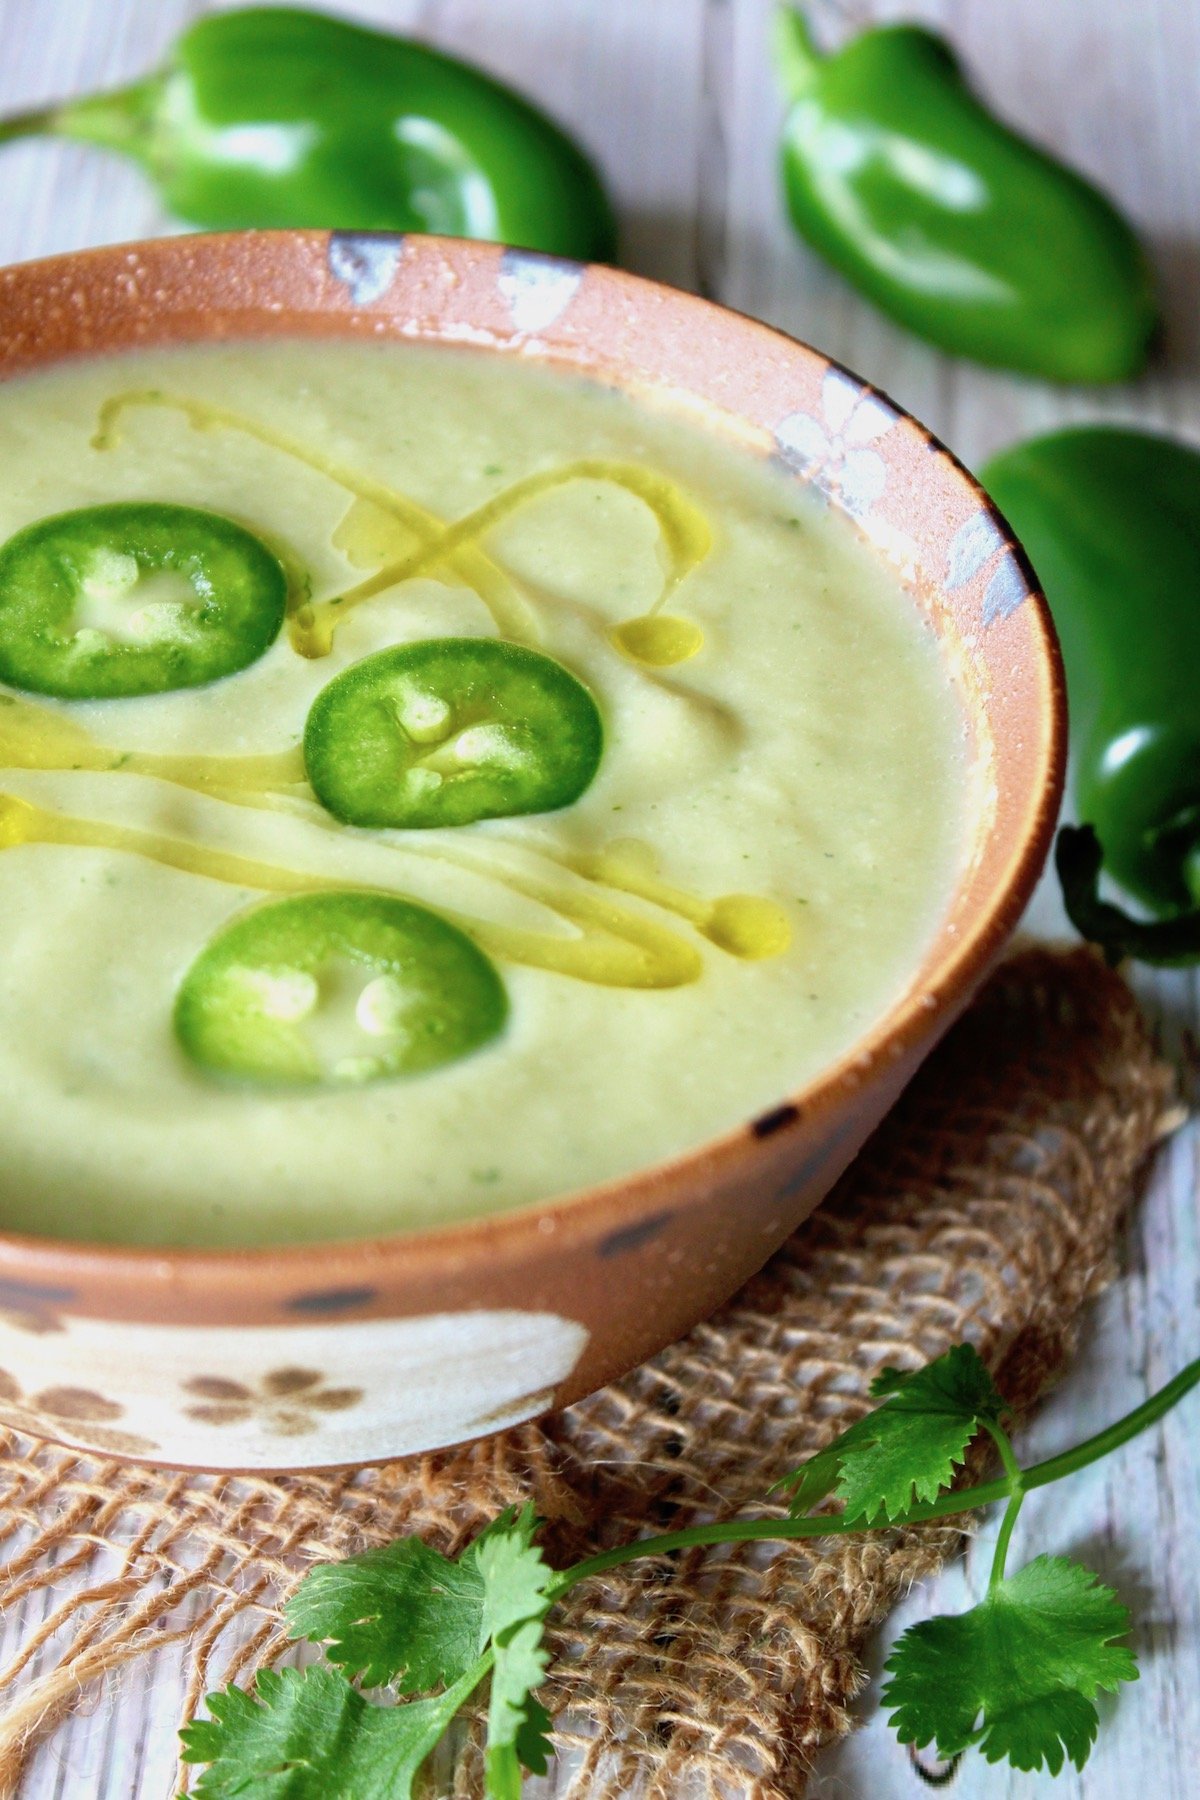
{"x":985,"y":1208}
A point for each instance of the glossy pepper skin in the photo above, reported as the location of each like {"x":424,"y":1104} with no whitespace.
{"x":948,"y":220}
{"x":283,"y":117}
{"x":1111,"y":521}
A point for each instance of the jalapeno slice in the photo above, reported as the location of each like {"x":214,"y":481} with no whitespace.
{"x":134,"y":598}
{"x":336,"y":990}
{"x":451,"y":730}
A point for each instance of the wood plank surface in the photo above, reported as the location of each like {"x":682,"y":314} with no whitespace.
{"x":676,"y":100}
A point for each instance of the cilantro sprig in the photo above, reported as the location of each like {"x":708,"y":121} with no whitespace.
{"x":1017,"y":1675}
{"x":908,"y":1449}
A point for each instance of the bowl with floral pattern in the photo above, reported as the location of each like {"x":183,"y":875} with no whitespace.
{"x":355,"y":1350}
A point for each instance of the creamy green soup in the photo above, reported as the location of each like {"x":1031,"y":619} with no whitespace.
{"x":494,"y":787}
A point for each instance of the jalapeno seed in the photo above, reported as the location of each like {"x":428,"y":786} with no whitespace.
{"x":134,"y":598}
{"x":451,"y":730}
{"x":337,"y":990}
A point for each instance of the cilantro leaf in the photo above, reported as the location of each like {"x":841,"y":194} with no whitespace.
{"x":1018,"y":1674}
{"x":403,"y":1614}
{"x":518,"y":1725}
{"x":307,"y":1735}
{"x":517,"y":1597}
{"x":408,"y":1615}
{"x":907,"y":1449}
{"x":514,"y":1574}
{"x":960,"y":1382}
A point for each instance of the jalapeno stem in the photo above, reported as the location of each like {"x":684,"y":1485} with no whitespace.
{"x":120,"y":120}
{"x":796,"y":55}
{"x":117,"y":121}
{"x":1079,"y":859}
{"x":28,"y":124}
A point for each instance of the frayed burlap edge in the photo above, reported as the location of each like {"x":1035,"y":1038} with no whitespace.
{"x":986,"y":1208}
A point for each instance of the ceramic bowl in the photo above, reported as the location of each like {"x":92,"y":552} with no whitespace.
{"x":349,"y":1352}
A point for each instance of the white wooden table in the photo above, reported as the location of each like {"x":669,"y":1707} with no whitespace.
{"x":675,"y":99}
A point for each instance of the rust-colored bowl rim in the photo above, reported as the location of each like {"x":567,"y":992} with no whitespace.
{"x":951,"y":969}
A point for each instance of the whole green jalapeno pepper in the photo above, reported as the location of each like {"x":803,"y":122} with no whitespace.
{"x":948,"y":220}
{"x":283,"y":117}
{"x":1111,"y":520}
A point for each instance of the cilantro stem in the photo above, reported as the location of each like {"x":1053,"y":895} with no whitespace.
{"x":735,"y":1531}
{"x":1003,"y":1443}
{"x":738,"y":1531}
{"x":1005,"y":1538}
{"x":1113,"y":1436}
{"x":1016,"y":1476}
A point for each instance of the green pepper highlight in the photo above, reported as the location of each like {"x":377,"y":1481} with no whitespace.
{"x":1111,"y":521}
{"x":139,"y":598}
{"x":284,"y":117}
{"x":337,"y":990}
{"x":448,"y":731}
{"x":948,"y":220}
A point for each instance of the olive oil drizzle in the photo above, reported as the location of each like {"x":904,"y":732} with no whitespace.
{"x":654,"y":639}
{"x":511,"y":615}
{"x":746,"y":926}
{"x":34,"y":737}
{"x":685,"y":537}
{"x":612,"y":946}
{"x":605,"y":942}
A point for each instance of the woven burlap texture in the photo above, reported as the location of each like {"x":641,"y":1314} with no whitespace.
{"x":986,"y":1209}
